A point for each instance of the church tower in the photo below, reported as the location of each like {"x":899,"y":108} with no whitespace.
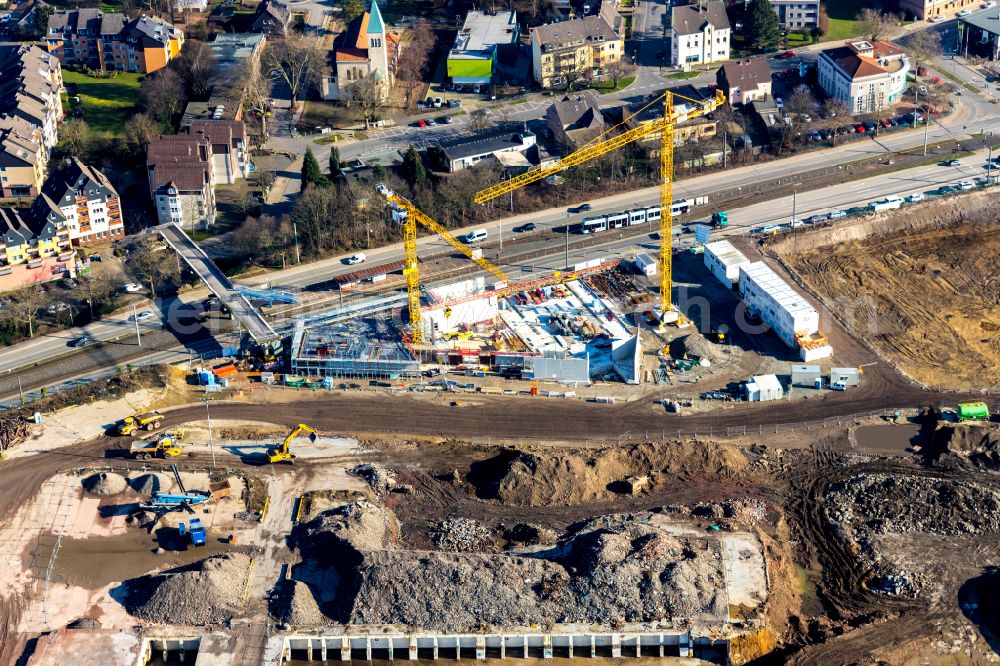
{"x":378,"y":52}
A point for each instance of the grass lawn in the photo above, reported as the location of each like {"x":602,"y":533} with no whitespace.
{"x":106,"y":103}
{"x":843,"y":16}
{"x":324,"y":114}
{"x":606,"y":87}
{"x":683,"y":75}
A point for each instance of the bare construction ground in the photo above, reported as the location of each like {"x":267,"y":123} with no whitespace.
{"x":922,"y":287}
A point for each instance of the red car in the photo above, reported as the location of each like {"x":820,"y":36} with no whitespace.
{"x":787,"y":54}
{"x":884,"y":122}
{"x":860,"y":129}
{"x":421,"y":123}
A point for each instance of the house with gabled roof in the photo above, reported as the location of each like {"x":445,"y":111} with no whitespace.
{"x":365,"y":48}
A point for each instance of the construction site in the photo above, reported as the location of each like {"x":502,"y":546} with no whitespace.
{"x":765,"y":450}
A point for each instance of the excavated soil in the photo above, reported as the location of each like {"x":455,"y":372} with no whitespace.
{"x":544,"y":478}
{"x":105,"y":484}
{"x":980,"y":444}
{"x":923,"y":287}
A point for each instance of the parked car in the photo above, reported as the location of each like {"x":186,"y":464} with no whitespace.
{"x":431,"y":122}
{"x":884,"y":122}
{"x":454,"y":104}
{"x":826,"y":134}
{"x":583,"y":208}
{"x":860,"y":129}
{"x":953,"y":163}
{"x":145,"y":315}
{"x":438,"y":102}
{"x":95,"y":257}
{"x":966,"y":185}
{"x":132,"y":288}
{"x":915,"y":197}
{"x":80,"y":342}
{"x":58,"y":306}
{"x":868,"y":125}
{"x":816,"y":218}
{"x":988,"y":5}
{"x":964,"y":12}
{"x":421,"y":123}
{"x":786,"y":55}
{"x":530,"y":226}
{"x":356,"y":258}
{"x":836,"y":214}
{"x":780,"y":103}
{"x":935,"y":19}
{"x":447,"y":120}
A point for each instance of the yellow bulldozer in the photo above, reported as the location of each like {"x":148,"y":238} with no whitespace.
{"x":132,"y":424}
{"x":282,"y":453}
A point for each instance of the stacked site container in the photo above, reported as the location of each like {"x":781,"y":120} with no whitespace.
{"x":778,"y":305}
{"x":724,"y":261}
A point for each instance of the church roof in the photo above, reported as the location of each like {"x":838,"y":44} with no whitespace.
{"x":375,"y":23}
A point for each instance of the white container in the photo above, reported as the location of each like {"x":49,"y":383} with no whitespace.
{"x":778,"y":305}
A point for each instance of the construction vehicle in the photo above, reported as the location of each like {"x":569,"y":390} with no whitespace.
{"x":973,"y":411}
{"x":136,"y":422}
{"x":166,"y":446}
{"x":720,"y":219}
{"x":281,"y":453}
{"x":196,"y":532}
{"x":160,"y":504}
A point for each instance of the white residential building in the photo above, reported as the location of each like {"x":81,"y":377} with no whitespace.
{"x":866,"y":77}
{"x":699,"y":34}
{"x":81,"y":199}
{"x":181,"y":180}
{"x":797,"y":14}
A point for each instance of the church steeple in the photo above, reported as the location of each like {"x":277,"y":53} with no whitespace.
{"x":375,"y":24}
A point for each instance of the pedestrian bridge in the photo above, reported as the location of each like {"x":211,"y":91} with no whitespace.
{"x":238,"y":304}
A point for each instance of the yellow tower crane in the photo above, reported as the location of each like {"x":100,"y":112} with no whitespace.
{"x":672,"y":115}
{"x":411,"y":215}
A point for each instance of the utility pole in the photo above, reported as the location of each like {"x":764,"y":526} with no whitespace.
{"x":295,"y":230}
{"x":794,"y":202}
{"x":567,"y":240}
{"x":135,"y":320}
{"x":211,"y":446}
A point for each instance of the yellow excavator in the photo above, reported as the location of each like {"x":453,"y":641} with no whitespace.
{"x":281,"y":453}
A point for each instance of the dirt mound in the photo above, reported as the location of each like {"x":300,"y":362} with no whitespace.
{"x":350,"y":529}
{"x":302,"y":609}
{"x":105,"y":484}
{"x":209,"y":592}
{"x":576,"y":477}
{"x":377,"y":477}
{"x":694,"y":345}
{"x":147,"y":484}
{"x":883,"y":504}
{"x":978,"y":443}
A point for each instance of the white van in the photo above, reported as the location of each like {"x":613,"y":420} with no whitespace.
{"x":477,"y":236}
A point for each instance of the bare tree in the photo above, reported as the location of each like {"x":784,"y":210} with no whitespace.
{"x":162,"y":94}
{"x":197,"y":64}
{"x":368,"y":95}
{"x":836,"y":108}
{"x":153,"y":264}
{"x":480,"y":120}
{"x":257,"y":97}
{"x":139,"y":130}
{"x":23,"y":306}
{"x":74,"y":138}
{"x":801,"y":102}
{"x":571,"y":77}
{"x":297,"y":60}
{"x":875,"y":24}
{"x":416,"y":55}
{"x":618,"y":70}
{"x":923,"y":46}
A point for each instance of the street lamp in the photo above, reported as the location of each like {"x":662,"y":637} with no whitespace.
{"x":208,"y":414}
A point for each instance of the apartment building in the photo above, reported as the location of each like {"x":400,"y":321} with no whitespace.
{"x":98,"y":40}
{"x":182,"y":180}
{"x":271,"y":18}
{"x":230,"y":152}
{"x":30,"y":111}
{"x":797,"y":14}
{"x":744,"y":81}
{"x":473,"y":57}
{"x":34,"y":251}
{"x":925,"y":9}
{"x":866,"y":77}
{"x":581,"y":48}
{"x":699,"y":34}
{"x":80,"y":199}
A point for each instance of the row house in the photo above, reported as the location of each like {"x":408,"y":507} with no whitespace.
{"x":34,"y":251}
{"x":30,"y":111}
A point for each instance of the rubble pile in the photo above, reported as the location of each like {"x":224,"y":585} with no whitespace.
{"x":147,"y":484}
{"x":530,"y":535}
{"x":356,"y":527}
{"x":302,"y":610}
{"x":980,"y":444}
{"x":899,"y":504}
{"x":105,"y":484}
{"x":463,"y":535}
{"x":377,"y":477}
{"x":209,"y":592}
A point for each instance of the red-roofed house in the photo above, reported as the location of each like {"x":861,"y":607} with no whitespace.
{"x":364,"y":48}
{"x":866,"y":77}
{"x":181,"y":180}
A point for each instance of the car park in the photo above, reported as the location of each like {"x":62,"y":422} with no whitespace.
{"x":145,"y":315}
{"x":836,"y":214}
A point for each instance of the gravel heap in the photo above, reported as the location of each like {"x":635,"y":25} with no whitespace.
{"x":463,"y":535}
{"x":696,"y":346}
{"x":210,"y":592}
{"x":105,"y":484}
{"x":379,"y":478}
{"x":147,"y":484}
{"x":349,"y":530}
{"x":883,"y":504}
{"x":303,"y":611}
